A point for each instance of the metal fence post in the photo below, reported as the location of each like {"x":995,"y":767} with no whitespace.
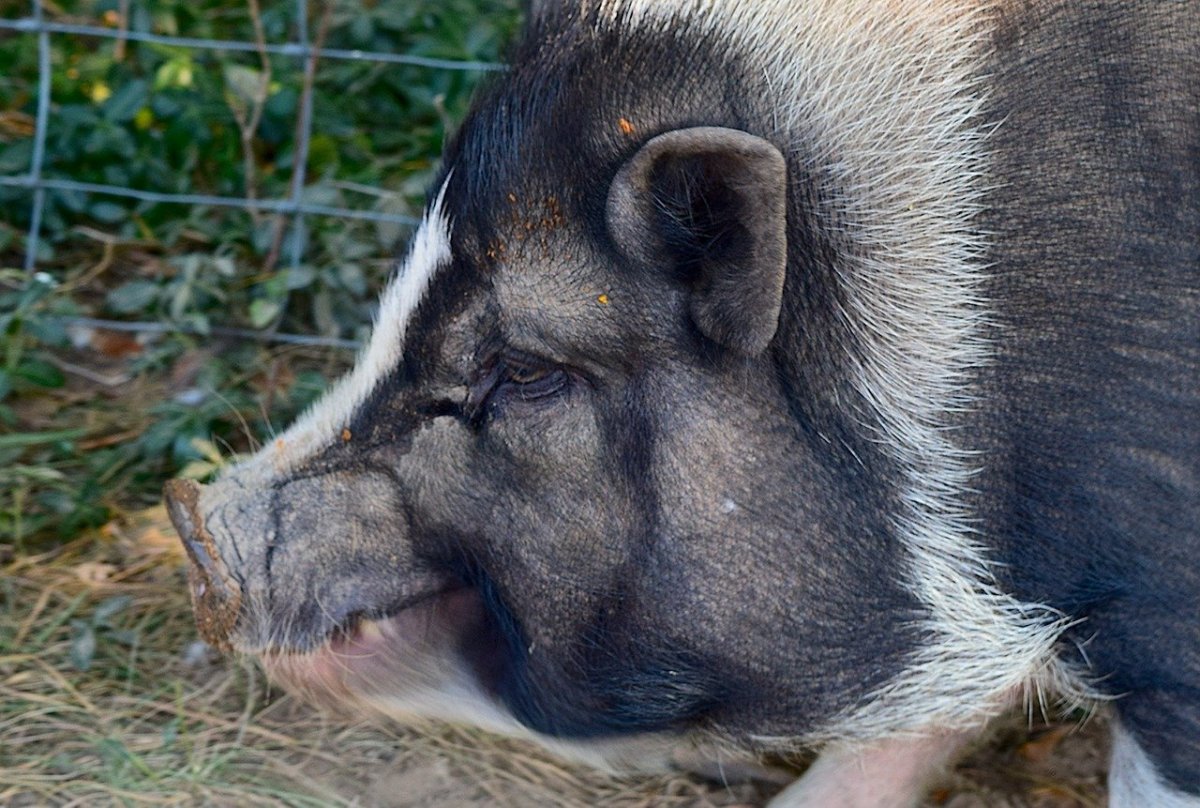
{"x":34,"y":178}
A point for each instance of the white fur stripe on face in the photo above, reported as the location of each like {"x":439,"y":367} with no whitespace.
{"x":887,"y":90}
{"x":324,"y":422}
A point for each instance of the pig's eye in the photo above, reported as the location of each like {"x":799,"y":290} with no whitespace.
{"x":528,"y":380}
{"x":515,"y":381}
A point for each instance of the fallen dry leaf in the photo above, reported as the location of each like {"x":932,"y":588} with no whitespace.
{"x":1043,"y":747}
{"x":95,"y":572}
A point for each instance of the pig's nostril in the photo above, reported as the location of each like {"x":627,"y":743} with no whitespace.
{"x":216,"y":595}
{"x":200,"y":556}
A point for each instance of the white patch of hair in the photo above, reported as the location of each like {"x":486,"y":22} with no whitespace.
{"x":458,"y":698}
{"x":1133,"y":781}
{"x":888,"y":91}
{"x":436,"y":684}
{"x":323,"y":423}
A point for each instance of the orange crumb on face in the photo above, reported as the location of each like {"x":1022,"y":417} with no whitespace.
{"x":625,"y":126}
{"x":602,"y":300}
{"x":346,"y":435}
{"x":279,"y":444}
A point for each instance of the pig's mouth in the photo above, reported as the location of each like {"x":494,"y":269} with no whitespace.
{"x":427,"y":643}
{"x":437,"y":654}
{"x":437,"y":639}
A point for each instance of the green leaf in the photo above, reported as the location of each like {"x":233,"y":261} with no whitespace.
{"x":208,"y":450}
{"x":322,"y":154}
{"x":322,"y":309}
{"x":133,"y":297}
{"x":40,"y":288}
{"x":321,"y":193}
{"x":224,"y":265}
{"x":83,"y":645}
{"x":18,"y":475}
{"x":5,"y":384}
{"x":300,"y":277}
{"x":362,"y":27}
{"x":245,"y":83}
{"x":197,"y":470}
{"x":182,"y":449}
{"x":126,"y":101}
{"x":125,"y":636}
{"x":15,"y":157}
{"x":182,"y":297}
{"x":353,"y":279}
{"x":263,"y":312}
{"x":197,"y":321}
{"x":177,"y":72}
{"x":47,"y":331}
{"x":263,"y":236}
{"x":109,"y":609}
{"x":116,"y":172}
{"x":23,"y":440}
{"x":108,"y":212}
{"x":170,"y":733}
{"x":74,"y":201}
{"x":162,"y":105}
{"x":41,"y":373}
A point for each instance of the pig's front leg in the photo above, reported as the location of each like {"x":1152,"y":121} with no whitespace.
{"x":890,"y":774}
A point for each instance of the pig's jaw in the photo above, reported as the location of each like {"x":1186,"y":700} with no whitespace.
{"x":436,"y":660}
{"x":433,"y":659}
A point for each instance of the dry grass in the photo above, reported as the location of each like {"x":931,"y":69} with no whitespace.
{"x":156,"y":719}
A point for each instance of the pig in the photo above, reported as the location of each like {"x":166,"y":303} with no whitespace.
{"x":809,"y":374}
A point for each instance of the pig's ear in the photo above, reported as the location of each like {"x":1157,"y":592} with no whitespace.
{"x":709,"y":205}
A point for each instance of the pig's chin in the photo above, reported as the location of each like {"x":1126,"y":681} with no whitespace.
{"x":434,"y":659}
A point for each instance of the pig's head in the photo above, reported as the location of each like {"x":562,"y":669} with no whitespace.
{"x":608,"y":465}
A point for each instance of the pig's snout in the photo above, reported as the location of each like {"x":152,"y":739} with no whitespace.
{"x":216,"y":594}
{"x":292,"y":563}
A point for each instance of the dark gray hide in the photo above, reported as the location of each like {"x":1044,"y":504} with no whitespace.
{"x":742,"y":382}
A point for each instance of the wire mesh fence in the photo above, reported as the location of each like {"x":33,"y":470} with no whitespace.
{"x":305,"y":46}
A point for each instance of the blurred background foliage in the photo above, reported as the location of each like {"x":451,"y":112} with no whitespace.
{"x":92,"y":420}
